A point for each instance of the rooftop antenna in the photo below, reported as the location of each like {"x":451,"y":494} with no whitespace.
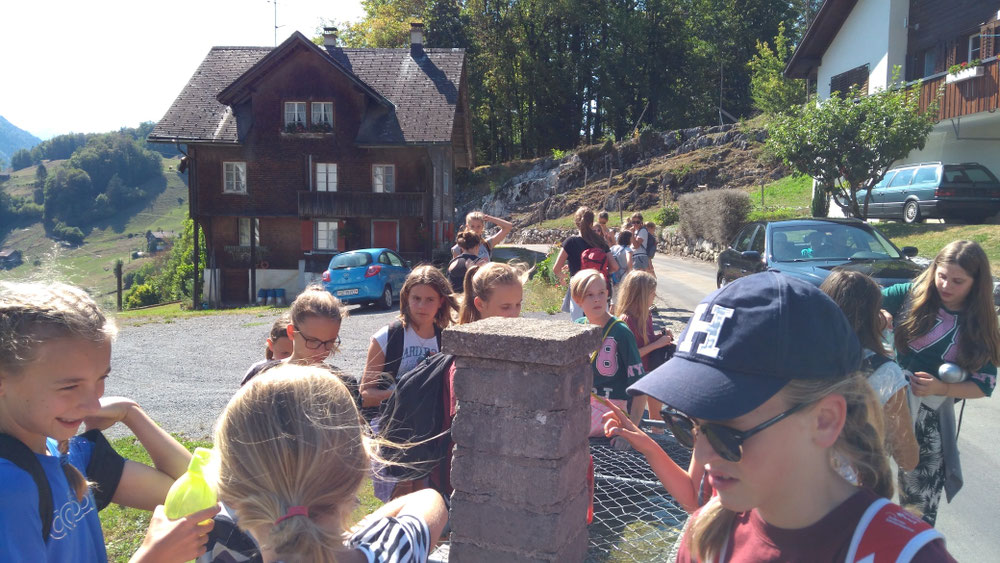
{"x":276,"y":26}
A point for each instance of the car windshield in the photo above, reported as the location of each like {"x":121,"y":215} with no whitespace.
{"x":350,"y":260}
{"x":829,"y":242}
{"x":967,"y":173}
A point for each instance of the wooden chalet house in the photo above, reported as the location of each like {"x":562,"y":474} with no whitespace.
{"x":301,"y":151}
{"x":861,"y":41}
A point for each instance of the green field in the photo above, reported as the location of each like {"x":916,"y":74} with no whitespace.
{"x":930,"y":238}
{"x":90,"y":265}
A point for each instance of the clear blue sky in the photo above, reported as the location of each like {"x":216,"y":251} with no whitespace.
{"x":94,"y":66}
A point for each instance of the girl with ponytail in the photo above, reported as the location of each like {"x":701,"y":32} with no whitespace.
{"x":293,"y":452}
{"x":493,"y":289}
{"x":55,"y":355}
{"x":786,"y":430}
{"x":571,"y":256}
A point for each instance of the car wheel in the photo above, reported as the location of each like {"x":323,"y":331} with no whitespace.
{"x":386,"y":301}
{"x":911,"y":212}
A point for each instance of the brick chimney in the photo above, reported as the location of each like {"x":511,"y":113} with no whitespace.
{"x":329,"y":37}
{"x":416,"y":39}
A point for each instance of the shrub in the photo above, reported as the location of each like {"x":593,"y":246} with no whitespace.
{"x":774,"y":214}
{"x":558,"y":154}
{"x":543,"y":269}
{"x":141,"y":295}
{"x":72,"y":235}
{"x":714,"y":215}
{"x":667,"y":215}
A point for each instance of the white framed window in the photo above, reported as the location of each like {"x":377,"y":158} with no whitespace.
{"x":445,"y":181}
{"x":326,"y":235}
{"x":295,"y":112}
{"x":244,"y":228}
{"x":384,"y":178}
{"x":326,"y":177}
{"x":975,"y":46}
{"x":234,"y":177}
{"x":322,"y":112}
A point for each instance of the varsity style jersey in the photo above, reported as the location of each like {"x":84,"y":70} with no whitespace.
{"x":617,"y":363}
{"x":926,"y":353}
{"x":752,"y":540}
{"x":76,"y":530}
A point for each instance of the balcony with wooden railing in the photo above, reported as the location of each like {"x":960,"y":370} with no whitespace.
{"x":361,"y":204}
{"x":966,"y":97}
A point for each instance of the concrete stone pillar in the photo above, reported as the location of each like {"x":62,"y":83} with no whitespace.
{"x":521,"y":450}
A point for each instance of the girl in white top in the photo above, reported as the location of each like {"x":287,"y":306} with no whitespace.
{"x":426,"y":305}
{"x":475,"y":221}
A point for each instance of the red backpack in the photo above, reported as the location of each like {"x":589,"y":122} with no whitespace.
{"x":596,"y":259}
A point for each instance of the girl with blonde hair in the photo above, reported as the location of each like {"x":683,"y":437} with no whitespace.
{"x":55,"y":356}
{"x":786,"y":430}
{"x":492,"y":290}
{"x":293,"y":455}
{"x":947,"y":315}
{"x":635,"y":298}
{"x":475,"y":221}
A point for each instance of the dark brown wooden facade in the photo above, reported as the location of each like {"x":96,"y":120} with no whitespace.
{"x":282,"y":204}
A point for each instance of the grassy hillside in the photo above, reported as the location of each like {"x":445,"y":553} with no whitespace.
{"x":90,"y":265}
{"x":22,"y":182}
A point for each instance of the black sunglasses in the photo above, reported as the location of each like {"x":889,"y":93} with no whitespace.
{"x":726,"y":441}
{"x":315,"y":343}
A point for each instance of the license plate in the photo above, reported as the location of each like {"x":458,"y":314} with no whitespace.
{"x":343,"y":292}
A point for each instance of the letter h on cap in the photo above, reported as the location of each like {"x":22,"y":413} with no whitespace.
{"x":710,"y":329}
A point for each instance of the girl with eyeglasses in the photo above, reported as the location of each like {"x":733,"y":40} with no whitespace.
{"x":786,"y":429}
{"x":314,"y":329}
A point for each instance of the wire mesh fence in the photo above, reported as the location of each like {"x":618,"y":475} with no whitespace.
{"x":635,"y":519}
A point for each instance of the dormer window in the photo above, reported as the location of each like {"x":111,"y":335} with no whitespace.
{"x":383,"y":178}
{"x":975,"y":46}
{"x":322,"y":113}
{"x":295,"y":113}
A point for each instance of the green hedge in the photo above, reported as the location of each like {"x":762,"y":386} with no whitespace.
{"x":714,"y":215}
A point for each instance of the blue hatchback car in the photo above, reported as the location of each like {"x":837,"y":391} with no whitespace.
{"x":370,"y":275}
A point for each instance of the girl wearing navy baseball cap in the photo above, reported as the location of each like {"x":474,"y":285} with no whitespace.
{"x":766,"y":387}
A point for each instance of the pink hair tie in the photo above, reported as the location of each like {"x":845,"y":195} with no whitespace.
{"x":293,"y":511}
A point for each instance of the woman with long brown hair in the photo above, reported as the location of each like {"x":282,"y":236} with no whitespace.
{"x":946,"y":315}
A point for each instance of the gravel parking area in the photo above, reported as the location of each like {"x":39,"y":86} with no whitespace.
{"x":184,"y":371}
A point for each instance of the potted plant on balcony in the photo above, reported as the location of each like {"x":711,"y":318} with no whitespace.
{"x":964,"y":71}
{"x":295,"y":127}
{"x":321,"y":127}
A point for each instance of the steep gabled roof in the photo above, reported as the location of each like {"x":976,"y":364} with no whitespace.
{"x":821,"y":32}
{"x":417,"y":96}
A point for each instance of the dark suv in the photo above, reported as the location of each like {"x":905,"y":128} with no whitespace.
{"x":951,"y":191}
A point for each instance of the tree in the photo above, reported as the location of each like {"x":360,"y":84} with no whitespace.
{"x":20,"y":159}
{"x":771,"y":92}
{"x":846,"y":143}
{"x":445,"y":26}
{"x":41,"y":173}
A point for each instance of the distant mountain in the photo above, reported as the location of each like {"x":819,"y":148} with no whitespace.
{"x":13,"y":139}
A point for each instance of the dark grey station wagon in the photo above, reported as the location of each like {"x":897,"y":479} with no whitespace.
{"x":914,"y":192}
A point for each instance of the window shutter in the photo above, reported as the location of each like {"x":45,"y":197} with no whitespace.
{"x":341,"y":239}
{"x":844,"y":81}
{"x":307,"y":235}
{"x":988,"y":45}
{"x":951,"y":54}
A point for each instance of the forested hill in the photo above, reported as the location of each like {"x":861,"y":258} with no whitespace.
{"x":13,"y":139}
{"x":545,"y":74}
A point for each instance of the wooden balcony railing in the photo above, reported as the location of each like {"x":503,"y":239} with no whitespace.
{"x":361,"y":204}
{"x":973,"y":95}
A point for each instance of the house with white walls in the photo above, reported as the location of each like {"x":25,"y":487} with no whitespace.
{"x":859,"y":42}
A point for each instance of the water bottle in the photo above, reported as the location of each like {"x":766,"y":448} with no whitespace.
{"x":191,"y":492}
{"x":949,"y":373}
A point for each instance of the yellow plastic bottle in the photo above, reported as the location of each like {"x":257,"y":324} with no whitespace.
{"x":191,"y":492}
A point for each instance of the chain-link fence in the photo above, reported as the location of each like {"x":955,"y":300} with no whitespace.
{"x":634,"y":517}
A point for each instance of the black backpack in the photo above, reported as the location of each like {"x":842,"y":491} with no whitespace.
{"x":873,"y":362}
{"x":394,"y":347}
{"x":414,"y":414}
{"x":105,"y":469}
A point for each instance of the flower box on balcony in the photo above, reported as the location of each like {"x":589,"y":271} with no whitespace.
{"x":964,"y":74}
